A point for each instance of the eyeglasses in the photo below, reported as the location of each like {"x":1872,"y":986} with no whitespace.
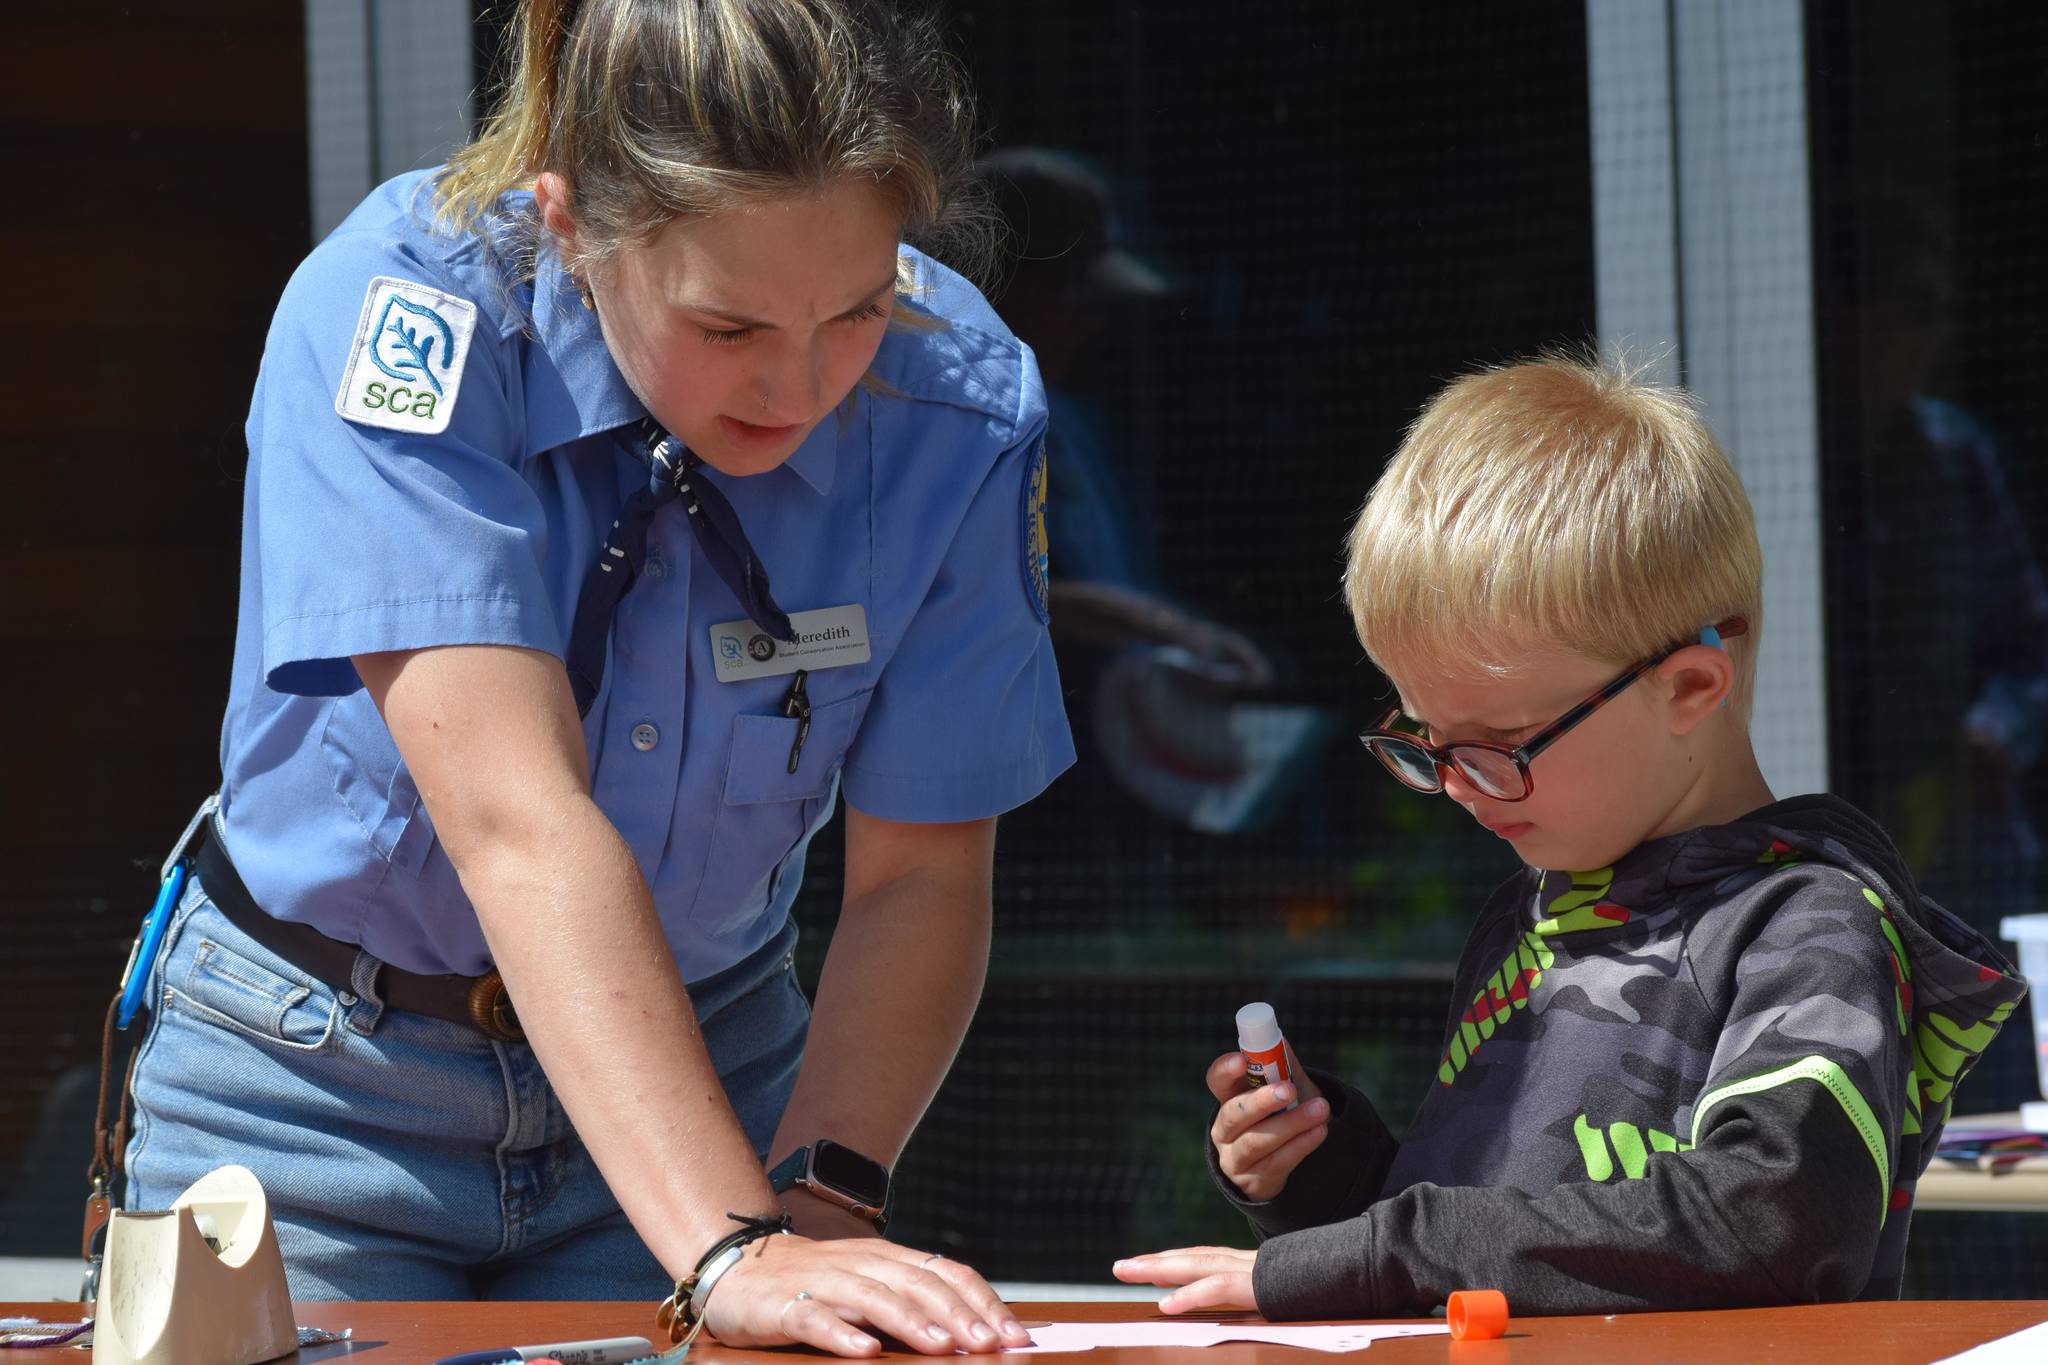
{"x":1501,"y":771}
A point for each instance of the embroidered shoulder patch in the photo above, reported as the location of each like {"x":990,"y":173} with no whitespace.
{"x":1037,"y":550}
{"x":405,"y":364}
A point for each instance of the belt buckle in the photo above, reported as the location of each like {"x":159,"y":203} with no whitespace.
{"x":490,"y":1009}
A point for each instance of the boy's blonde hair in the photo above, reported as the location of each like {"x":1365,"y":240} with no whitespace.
{"x":1556,"y":503}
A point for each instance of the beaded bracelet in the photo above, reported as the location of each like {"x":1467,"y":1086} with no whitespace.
{"x":681,"y":1315}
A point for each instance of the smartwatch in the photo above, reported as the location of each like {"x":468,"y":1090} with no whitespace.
{"x":838,"y":1175}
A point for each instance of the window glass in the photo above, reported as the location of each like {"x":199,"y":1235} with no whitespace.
{"x":1927,"y":125}
{"x":1245,"y":255}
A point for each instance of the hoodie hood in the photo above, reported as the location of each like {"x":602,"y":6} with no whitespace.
{"x":1954,"y":988}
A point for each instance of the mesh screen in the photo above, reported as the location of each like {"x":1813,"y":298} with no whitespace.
{"x":1930,"y":304}
{"x":1328,"y":213}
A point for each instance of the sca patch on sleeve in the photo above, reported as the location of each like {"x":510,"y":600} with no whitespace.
{"x":405,"y":365}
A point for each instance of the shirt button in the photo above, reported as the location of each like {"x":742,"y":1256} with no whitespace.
{"x":645,"y":736}
{"x":657,"y":568}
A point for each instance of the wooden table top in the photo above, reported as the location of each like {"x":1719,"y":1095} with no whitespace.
{"x":1905,"y":1333}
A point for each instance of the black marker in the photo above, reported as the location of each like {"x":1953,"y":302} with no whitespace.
{"x":799,"y":705}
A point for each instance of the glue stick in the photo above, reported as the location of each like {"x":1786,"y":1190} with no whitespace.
{"x":1265,"y":1051}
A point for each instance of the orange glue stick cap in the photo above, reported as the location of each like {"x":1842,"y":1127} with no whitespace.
{"x":1476,"y":1314}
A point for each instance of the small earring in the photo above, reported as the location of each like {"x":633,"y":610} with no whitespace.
{"x":583,"y":289}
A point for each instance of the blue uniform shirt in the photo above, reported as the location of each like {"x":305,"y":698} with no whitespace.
{"x":915,"y":504}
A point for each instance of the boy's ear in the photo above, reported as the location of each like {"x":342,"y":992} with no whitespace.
{"x":1696,"y":681}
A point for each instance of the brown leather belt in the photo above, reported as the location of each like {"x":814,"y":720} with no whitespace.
{"x":478,"y":1001}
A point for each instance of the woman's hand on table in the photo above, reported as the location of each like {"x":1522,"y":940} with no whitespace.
{"x":1200,"y":1277}
{"x":823,"y":1293}
{"x":821,"y":1221}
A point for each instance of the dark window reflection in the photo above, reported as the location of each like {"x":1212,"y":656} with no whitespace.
{"x":1245,"y":254}
{"x":1928,"y":195}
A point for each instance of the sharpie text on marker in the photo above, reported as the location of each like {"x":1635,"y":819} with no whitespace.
{"x":610,"y":1351}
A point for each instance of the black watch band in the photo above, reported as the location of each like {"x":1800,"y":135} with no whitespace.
{"x":838,"y":1175}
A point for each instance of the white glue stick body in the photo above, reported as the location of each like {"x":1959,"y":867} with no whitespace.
{"x":1265,"y":1051}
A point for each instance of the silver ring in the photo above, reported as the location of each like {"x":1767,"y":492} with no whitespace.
{"x":929,"y":1259}
{"x":801,"y":1295}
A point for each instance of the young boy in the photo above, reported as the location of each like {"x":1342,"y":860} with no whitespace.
{"x":1709,"y":1071}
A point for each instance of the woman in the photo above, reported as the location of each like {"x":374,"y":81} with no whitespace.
{"x":521,"y":740}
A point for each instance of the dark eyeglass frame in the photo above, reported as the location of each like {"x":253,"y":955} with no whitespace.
{"x":1443,"y":758}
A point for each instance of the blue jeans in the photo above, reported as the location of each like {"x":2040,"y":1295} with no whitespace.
{"x":406,"y":1157}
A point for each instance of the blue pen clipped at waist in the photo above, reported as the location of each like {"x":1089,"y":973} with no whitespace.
{"x":150,"y":937}
{"x":609,"y":1351}
{"x":141,"y":956}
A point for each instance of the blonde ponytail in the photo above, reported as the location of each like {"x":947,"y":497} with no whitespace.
{"x":511,"y":150}
{"x":653,"y":109}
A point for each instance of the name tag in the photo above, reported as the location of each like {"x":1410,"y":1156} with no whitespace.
{"x":830,"y":637}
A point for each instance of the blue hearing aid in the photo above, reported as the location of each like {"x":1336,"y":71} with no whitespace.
{"x":1712,"y":637}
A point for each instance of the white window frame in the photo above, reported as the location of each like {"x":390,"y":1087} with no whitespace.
{"x":388,"y":88}
{"x":1704,"y":264}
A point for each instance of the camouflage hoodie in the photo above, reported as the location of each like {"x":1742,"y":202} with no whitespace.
{"x":1708,"y":1076}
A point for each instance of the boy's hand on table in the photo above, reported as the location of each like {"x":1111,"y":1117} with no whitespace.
{"x":1257,"y":1145}
{"x":1208,"y":1277}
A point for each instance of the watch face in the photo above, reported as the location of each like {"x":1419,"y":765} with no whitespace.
{"x":850,"y":1173}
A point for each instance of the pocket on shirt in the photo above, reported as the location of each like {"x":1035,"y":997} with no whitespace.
{"x":766,"y":810}
{"x":373,"y":782}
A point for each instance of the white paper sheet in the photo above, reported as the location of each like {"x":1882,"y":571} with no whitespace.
{"x":2028,"y":1346}
{"x":1086,"y":1336}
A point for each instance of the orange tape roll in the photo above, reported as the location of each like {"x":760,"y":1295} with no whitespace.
{"x":1476,"y":1314}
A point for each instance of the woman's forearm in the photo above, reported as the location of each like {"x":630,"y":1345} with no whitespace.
{"x":573,"y":929}
{"x":495,"y":746}
{"x":899,"y":987}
